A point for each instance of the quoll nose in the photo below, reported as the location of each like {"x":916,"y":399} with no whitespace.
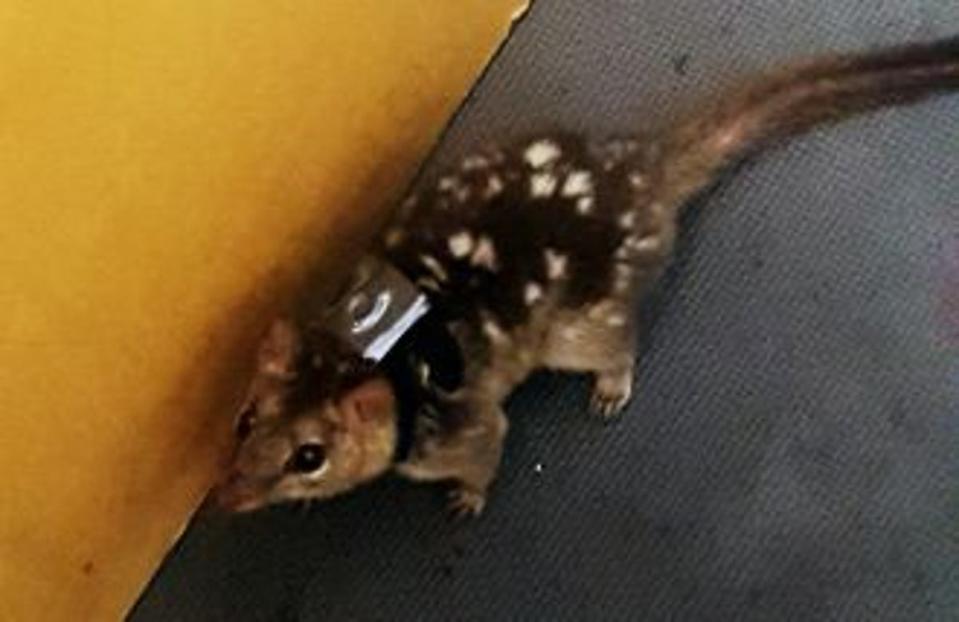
{"x":235,"y":494}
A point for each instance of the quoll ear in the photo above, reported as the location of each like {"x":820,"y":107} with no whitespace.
{"x":279,"y":350}
{"x":372,"y":400}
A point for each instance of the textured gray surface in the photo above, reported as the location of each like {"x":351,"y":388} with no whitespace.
{"x":793,"y":451}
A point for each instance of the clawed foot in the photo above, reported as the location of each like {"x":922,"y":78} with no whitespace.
{"x":612,"y":393}
{"x":466,"y":503}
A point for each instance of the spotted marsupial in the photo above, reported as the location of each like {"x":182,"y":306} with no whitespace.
{"x":533,"y":256}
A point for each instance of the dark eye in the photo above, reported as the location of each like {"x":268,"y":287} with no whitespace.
{"x":308,"y":458}
{"x":244,"y":423}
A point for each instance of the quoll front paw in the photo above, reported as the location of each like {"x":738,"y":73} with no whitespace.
{"x":612,"y":393}
{"x":466,"y":502}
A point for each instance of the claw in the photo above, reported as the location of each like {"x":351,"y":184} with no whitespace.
{"x":608,"y":405}
{"x":611,"y":394}
{"x":466,"y":503}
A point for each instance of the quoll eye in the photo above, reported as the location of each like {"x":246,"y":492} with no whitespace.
{"x":244,"y":423}
{"x":309,"y":458}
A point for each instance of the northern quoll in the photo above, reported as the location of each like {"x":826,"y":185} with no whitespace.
{"x":531,"y":256}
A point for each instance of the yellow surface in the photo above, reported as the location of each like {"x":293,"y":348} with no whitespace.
{"x":166,"y":166}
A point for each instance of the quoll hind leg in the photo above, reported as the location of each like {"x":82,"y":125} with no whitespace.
{"x":469,"y":455}
{"x":601,"y":341}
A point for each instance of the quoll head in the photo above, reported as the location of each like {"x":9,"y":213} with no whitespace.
{"x":318,"y":421}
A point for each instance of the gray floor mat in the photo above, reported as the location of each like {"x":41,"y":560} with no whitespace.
{"x":793,"y":451}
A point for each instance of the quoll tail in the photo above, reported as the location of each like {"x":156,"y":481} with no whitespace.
{"x":796,"y":98}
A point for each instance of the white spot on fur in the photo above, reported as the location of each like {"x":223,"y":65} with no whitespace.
{"x":494,"y":332}
{"x":627,"y":219}
{"x":622,"y":252}
{"x":555,"y":264}
{"x":578,"y":183}
{"x":434,"y":266}
{"x":494,"y":185}
{"x":474,"y":163}
{"x":460,"y":244}
{"x":541,"y":153}
{"x":428,"y":283}
{"x":637,"y":181}
{"x":624,"y":278}
{"x":532,"y":293}
{"x":423,"y":373}
{"x":616,"y":319}
{"x":542,"y":185}
{"x":454,"y":186}
{"x":484,"y":254}
{"x":584,"y":205}
{"x":643,"y":244}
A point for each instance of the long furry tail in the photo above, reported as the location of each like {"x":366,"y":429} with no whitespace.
{"x":797,"y":98}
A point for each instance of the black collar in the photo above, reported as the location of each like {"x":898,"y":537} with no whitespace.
{"x":384,"y":316}
{"x":425,"y":362}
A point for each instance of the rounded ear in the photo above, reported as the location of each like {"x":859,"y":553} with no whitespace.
{"x":279,"y":350}
{"x":371,"y":400}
